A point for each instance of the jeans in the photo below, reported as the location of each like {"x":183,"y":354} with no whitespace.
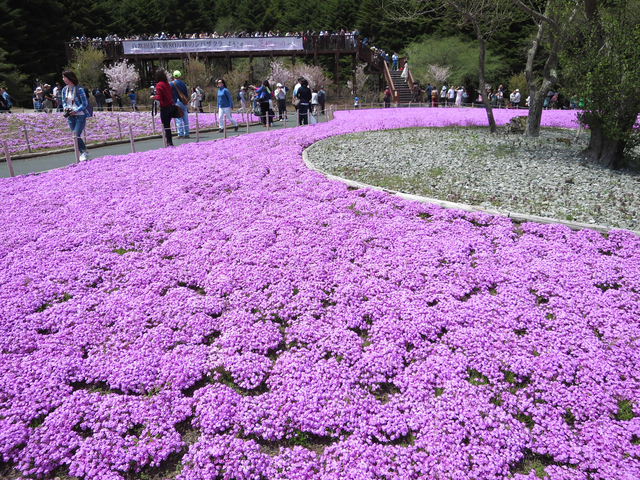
{"x":76,"y":124}
{"x":221,"y":113}
{"x":303,"y":110}
{"x":182,"y":124}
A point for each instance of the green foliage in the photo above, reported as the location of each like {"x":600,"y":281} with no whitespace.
{"x":625,"y":410}
{"x":195,"y":72}
{"x":461,"y":56}
{"x":13,"y":79}
{"x":87,"y":66}
{"x":601,"y":65}
{"x":519,"y":82}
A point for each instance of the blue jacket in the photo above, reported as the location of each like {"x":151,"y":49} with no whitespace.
{"x":183,"y":88}
{"x":79,"y":101}
{"x":224,"y":98}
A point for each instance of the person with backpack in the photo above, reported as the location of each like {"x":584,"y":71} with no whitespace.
{"x":225,"y":103}
{"x":387,"y":97}
{"x":180,"y":95}
{"x":263,"y":95}
{"x":75,"y":103}
{"x":6,"y":100}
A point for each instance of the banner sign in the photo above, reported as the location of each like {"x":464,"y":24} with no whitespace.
{"x":195,"y":45}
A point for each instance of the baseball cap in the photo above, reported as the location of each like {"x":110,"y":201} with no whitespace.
{"x":177,"y":73}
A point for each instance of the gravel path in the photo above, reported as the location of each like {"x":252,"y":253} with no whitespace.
{"x":542,"y":176}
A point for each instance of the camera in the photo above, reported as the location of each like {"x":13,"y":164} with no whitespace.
{"x":67,"y":112}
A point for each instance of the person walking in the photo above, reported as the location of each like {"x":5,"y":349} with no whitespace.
{"x":57,"y":96}
{"x":199,"y":98}
{"x":451,"y":96}
{"x":180,"y":95}
{"x":242,"y":97}
{"x":97,"y":94}
{"x":225,"y":103}
{"x":405,"y":72}
{"x":5,"y":103}
{"x":281,"y":97}
{"x":387,"y":97}
{"x":165,"y":98}
{"x":314,"y":101}
{"x":304,"y":95}
{"x":263,"y":95}
{"x":74,"y":102}
{"x":108,"y":98}
{"x":132,"y":101}
{"x":322,"y":99}
{"x":6,"y":98}
{"x":459,"y":92}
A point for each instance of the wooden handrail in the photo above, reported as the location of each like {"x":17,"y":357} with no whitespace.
{"x":387,"y":76}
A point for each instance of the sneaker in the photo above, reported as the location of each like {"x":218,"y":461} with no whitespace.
{"x":180,"y":136}
{"x":84,"y":157}
{"x":221,"y":130}
{"x":186,"y":136}
{"x":236,"y":128}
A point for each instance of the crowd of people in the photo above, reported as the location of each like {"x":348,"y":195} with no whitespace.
{"x":99,"y":41}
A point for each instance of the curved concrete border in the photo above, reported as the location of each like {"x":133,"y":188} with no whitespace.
{"x":516,"y":217}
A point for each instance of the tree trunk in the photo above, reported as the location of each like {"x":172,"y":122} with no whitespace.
{"x":483,"y":90}
{"x":603,"y":151}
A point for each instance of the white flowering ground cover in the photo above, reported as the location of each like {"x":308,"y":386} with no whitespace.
{"x":50,"y":131}
{"x":220,"y":311}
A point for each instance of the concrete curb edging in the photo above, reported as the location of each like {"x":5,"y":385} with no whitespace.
{"x":106,"y":143}
{"x":516,"y":217}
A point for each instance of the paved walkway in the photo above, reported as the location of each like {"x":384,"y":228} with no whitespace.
{"x":58,"y":160}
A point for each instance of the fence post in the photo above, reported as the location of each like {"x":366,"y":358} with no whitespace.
{"x":209,"y":107}
{"x":75,"y":146}
{"x":285,"y":119}
{"x":197,"y":128}
{"x":224,"y":119}
{"x":119,"y":127}
{"x":6,"y":154}
{"x":133,"y":145}
{"x":26,"y":137}
{"x":297,"y":118}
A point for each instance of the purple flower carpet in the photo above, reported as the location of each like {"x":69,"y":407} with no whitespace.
{"x":218,"y":310}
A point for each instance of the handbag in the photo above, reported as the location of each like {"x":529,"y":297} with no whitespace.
{"x":295,"y":101}
{"x":177,"y":112}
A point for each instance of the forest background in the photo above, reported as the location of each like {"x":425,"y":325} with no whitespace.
{"x":33,"y":33}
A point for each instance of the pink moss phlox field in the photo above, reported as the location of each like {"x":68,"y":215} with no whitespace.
{"x":52,"y":130}
{"x":222,"y":303}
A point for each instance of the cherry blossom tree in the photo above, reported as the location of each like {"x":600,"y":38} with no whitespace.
{"x":121,"y":76}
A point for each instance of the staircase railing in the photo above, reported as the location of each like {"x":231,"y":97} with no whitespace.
{"x":392,"y":88}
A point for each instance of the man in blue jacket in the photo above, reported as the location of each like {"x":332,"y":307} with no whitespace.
{"x":180,"y":95}
{"x":224,"y":105}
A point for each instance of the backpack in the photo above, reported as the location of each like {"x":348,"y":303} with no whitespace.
{"x":204,"y":96}
{"x":88,"y":112}
{"x":238,"y":97}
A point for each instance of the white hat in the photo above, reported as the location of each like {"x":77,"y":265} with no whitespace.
{"x":279,"y":85}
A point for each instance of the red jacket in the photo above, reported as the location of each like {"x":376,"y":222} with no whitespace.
{"x":163,"y":94}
